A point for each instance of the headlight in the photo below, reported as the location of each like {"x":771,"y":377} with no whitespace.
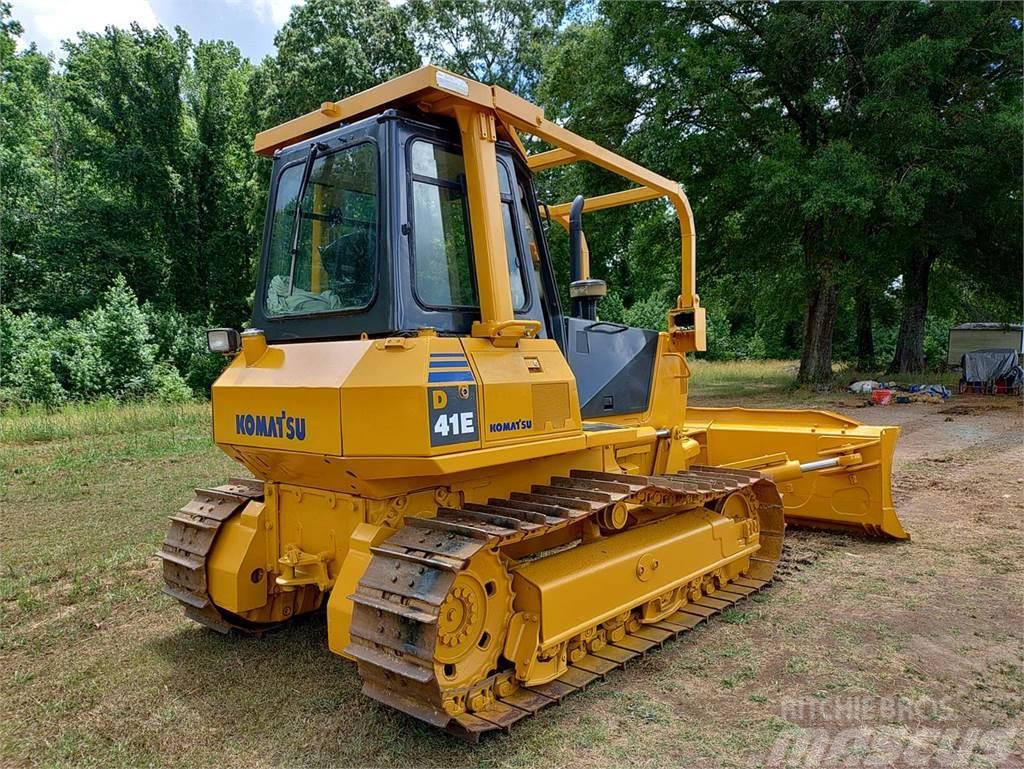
{"x":223,"y":340}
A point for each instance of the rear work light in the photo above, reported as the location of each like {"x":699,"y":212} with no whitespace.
{"x":223,"y":340}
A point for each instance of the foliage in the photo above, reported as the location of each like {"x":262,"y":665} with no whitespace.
{"x":828,"y":143}
{"x":116,"y":350}
{"x":493,"y":41}
{"x":330,"y":49}
{"x":852,"y":166}
{"x":27,"y":357}
{"x":168,"y":385}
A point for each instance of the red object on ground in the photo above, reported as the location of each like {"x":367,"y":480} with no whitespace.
{"x":881,"y":397}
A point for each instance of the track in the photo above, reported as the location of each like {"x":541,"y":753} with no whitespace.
{"x":189,"y":540}
{"x":397,"y":623}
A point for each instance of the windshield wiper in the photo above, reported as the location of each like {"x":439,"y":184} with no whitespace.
{"x":314,"y":149}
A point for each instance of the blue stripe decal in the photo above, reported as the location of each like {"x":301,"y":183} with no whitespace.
{"x":449,"y":363}
{"x":450,"y":376}
{"x":447,"y":355}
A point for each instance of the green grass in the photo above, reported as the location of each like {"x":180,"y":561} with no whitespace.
{"x":777,"y":379}
{"x":733,"y":378}
{"x":103,"y":417}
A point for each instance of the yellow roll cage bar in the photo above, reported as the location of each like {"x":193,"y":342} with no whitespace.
{"x":484,"y":114}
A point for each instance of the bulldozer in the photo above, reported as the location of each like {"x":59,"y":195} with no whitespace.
{"x":495,"y":501}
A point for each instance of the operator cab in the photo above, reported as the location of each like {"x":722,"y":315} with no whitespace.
{"x":381,"y":243}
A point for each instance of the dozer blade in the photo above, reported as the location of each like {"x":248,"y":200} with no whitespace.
{"x":833,"y":472}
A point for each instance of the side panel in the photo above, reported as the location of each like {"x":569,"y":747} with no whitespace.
{"x":288,"y":400}
{"x":415,"y":396}
{"x":528,"y":391}
{"x":614,"y":366}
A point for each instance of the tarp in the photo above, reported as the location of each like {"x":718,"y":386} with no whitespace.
{"x":988,"y":365}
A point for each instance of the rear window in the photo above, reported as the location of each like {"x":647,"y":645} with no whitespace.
{"x":334,"y":267}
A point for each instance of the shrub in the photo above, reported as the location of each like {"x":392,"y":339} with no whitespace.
{"x":176,"y":336}
{"x":651,"y":312}
{"x":116,"y":350}
{"x":203,"y":369}
{"x":118,"y":327}
{"x":27,"y":361}
{"x":79,"y":361}
{"x":611,"y":308}
{"x":169,"y":387}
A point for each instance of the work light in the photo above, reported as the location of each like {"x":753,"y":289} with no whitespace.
{"x":223,"y":340}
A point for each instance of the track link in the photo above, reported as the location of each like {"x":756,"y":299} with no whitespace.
{"x":397,"y":603}
{"x":188,"y":543}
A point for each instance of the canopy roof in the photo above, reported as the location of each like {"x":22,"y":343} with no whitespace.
{"x":437,"y":91}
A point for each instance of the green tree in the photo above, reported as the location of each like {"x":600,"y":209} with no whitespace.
{"x":127,"y":166}
{"x":217,"y":100}
{"x":943,"y":112}
{"x":329,"y":49}
{"x":494,"y":41}
{"x":788,"y":123}
{"x":26,"y":169}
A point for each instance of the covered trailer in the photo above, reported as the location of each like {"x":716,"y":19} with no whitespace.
{"x":968,"y":337}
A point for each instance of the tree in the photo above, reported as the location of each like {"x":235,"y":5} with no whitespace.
{"x":226,"y":240}
{"x":494,"y":41}
{"x":330,"y":49}
{"x":126,"y":162}
{"x":26,"y":171}
{"x":945,"y":114}
{"x":787,"y":123}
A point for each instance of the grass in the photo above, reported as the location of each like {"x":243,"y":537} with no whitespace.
{"x":99,"y":669}
{"x":103,"y":417}
{"x":742,"y":377}
{"x":777,"y":379}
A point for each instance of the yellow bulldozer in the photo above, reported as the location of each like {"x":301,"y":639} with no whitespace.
{"x":498,"y":501}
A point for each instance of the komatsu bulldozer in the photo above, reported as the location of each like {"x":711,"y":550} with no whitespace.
{"x":497,"y":501}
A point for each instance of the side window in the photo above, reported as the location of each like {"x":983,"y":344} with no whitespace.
{"x":531,"y":236}
{"x":443,"y":274}
{"x":516,"y":277}
{"x":442,"y":266}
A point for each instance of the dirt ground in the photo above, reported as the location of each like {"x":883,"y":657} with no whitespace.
{"x":864,"y":653}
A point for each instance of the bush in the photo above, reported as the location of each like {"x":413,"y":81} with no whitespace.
{"x":79,"y":361}
{"x":27,"y":358}
{"x":169,"y":387}
{"x":176,"y":336}
{"x":118,"y":327}
{"x":118,"y":349}
{"x":651,"y":313}
{"x":181,"y":340}
{"x":203,"y":369}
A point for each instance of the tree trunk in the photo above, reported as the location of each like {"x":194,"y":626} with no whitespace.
{"x":865,"y":339}
{"x":909,"y":354}
{"x":819,"y":322}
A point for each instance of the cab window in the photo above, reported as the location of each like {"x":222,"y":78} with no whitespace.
{"x":334,"y":267}
{"x":442,"y":255}
{"x":442,"y":263}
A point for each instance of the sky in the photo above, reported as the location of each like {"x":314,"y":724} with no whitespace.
{"x":250,"y":24}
